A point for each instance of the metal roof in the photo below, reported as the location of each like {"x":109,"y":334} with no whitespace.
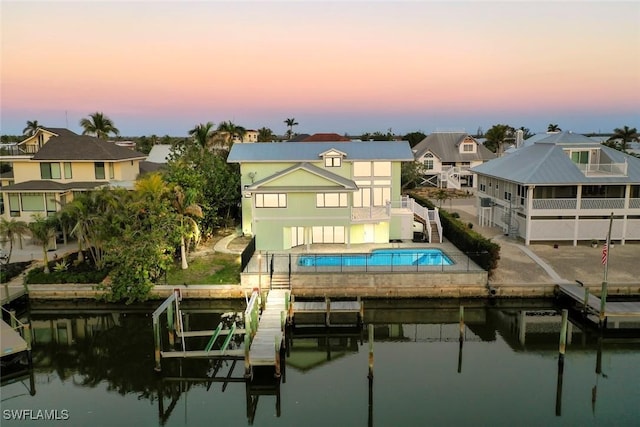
{"x":310,"y":151}
{"x":545,"y":162}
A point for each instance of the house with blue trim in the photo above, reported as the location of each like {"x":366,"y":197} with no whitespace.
{"x":336,"y":192}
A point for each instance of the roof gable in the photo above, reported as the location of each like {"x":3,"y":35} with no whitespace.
{"x":446,"y":146}
{"x":306,"y":176}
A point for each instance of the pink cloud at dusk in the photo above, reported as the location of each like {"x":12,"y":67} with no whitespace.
{"x":181,"y":63}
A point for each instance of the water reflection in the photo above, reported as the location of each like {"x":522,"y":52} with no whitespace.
{"x":87,"y":349}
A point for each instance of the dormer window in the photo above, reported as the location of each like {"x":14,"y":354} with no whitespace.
{"x":332,"y":158}
{"x":332,"y":162}
{"x":468,"y":147}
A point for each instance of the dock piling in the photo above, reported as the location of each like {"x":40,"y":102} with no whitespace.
{"x":563,"y":336}
{"x":370,"y":326}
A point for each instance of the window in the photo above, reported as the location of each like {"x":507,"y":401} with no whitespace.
{"x":483,"y":188}
{"x":328,"y":234}
{"x":331,"y":200}
{"x":428,"y":161}
{"x":32,"y":202}
{"x":382,"y":168}
{"x":467,"y":148}
{"x":14,"y":205}
{"x":362,"y":197}
{"x":580,"y":157}
{"x":381,"y":195}
{"x":51,"y":204}
{"x":361,"y":168}
{"x":507,"y":195}
{"x":50,"y":170}
{"x":332,"y":162}
{"x":67,"y":170}
{"x":271,"y":200}
{"x":99,"y":167}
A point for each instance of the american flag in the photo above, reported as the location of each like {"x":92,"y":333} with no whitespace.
{"x":605,"y":250}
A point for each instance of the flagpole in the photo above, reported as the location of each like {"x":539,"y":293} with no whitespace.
{"x":603,"y":292}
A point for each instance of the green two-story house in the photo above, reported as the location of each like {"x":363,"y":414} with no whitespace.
{"x":303,"y":193}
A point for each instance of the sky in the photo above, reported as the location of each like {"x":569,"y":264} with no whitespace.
{"x":162,"y":67}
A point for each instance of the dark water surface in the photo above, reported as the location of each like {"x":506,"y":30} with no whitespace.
{"x":93,"y":366}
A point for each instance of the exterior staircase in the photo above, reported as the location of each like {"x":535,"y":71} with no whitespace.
{"x":452,"y":177}
{"x":280,"y":281}
{"x":435,"y":236}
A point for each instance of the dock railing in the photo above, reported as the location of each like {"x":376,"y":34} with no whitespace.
{"x":23,"y":329}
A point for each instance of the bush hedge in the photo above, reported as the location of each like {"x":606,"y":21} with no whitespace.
{"x":9,"y":271}
{"x":481,"y":250}
{"x":84,"y":272}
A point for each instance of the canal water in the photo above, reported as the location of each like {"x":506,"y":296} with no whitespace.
{"x":93,"y":366}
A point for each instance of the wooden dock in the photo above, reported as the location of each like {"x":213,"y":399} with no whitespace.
{"x":328,"y":307}
{"x":12,"y":342}
{"x":268,"y":339}
{"x":591,"y":304}
{"x":16,"y":337}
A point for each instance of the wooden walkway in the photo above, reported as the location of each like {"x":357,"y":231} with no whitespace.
{"x":612,"y":309}
{"x":265,"y":346}
{"x":328,"y":307}
{"x":12,"y":341}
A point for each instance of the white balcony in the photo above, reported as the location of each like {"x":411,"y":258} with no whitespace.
{"x":603,"y":169}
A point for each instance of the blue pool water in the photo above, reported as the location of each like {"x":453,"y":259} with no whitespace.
{"x":379,"y":257}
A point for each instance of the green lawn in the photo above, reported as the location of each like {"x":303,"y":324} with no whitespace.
{"x":222,"y":269}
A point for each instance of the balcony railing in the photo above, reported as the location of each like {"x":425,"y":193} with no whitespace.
{"x":15,"y":150}
{"x":554,"y":204}
{"x":602,"y":204}
{"x":371,"y":213}
{"x":600,"y":169}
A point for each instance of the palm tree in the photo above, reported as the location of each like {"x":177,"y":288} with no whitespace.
{"x":231,"y":131}
{"x":553,"y":128}
{"x":265,"y":135}
{"x":9,"y":230}
{"x":99,"y":125}
{"x":625,"y":134}
{"x":31,"y":128}
{"x":42,"y":231}
{"x":202,"y":133}
{"x":290,"y":124}
{"x":186,"y":211}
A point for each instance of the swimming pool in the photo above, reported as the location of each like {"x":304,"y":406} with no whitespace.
{"x":378,"y":257}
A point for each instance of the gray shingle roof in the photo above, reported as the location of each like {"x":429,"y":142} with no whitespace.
{"x":310,"y":151}
{"x":445,"y":145}
{"x":545,"y":162}
{"x":70,"y":146}
{"x":46,"y":185}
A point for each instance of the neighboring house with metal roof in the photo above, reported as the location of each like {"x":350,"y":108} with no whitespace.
{"x":448,"y":158}
{"x":54,"y":163}
{"x":302,"y":193}
{"x":561,"y":188}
